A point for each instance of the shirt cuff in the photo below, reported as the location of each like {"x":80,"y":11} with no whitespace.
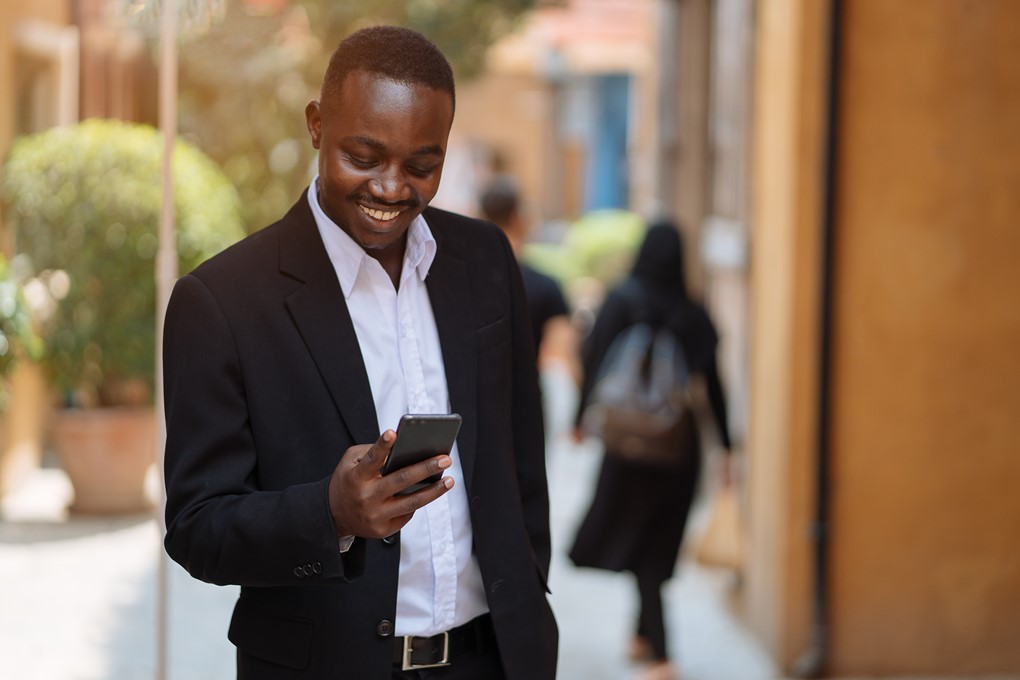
{"x":345,"y":543}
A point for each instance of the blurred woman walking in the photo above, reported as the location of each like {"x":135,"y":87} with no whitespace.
{"x":637,"y":517}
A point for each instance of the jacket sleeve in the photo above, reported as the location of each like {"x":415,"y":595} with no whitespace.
{"x":221,"y":526}
{"x":528,"y":427}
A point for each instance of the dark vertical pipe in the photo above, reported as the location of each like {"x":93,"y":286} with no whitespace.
{"x":812,"y":663}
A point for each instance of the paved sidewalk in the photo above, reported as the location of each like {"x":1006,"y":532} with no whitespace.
{"x":78,"y":598}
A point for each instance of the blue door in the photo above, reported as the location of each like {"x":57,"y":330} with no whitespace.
{"x":606,"y":171}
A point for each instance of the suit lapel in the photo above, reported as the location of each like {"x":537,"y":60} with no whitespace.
{"x":320,"y":312}
{"x":447,"y":283}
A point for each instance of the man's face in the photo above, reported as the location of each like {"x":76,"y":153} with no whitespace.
{"x":381,"y":149}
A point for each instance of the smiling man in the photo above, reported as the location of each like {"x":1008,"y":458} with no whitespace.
{"x":289,"y":359}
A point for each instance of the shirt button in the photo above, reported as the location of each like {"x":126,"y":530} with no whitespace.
{"x":384,"y":628}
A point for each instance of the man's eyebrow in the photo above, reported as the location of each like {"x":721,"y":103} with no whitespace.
{"x":371,"y":142}
{"x":366,"y":141}
{"x":430,"y":150}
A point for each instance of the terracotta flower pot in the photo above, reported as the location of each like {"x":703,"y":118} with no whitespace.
{"x":106,"y":452}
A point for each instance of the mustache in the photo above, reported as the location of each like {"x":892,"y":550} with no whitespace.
{"x":376,"y":203}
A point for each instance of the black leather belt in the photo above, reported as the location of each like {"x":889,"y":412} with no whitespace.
{"x":476,"y":636}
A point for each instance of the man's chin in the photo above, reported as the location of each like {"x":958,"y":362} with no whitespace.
{"x":372,"y":247}
{"x":379,"y":237}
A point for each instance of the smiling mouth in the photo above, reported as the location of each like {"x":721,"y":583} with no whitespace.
{"x":380,"y":215}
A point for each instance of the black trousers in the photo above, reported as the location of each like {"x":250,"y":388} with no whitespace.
{"x":651,"y":623}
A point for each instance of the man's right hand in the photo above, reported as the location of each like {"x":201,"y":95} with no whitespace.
{"x":364,"y":502}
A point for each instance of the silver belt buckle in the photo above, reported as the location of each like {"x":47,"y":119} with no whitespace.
{"x":409,"y":649}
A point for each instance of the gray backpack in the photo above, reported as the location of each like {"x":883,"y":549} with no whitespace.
{"x":640,"y":405}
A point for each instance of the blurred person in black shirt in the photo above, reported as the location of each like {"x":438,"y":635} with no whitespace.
{"x":551,"y":327}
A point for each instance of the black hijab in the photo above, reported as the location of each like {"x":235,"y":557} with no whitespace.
{"x":659,"y":272}
{"x":660,"y":259}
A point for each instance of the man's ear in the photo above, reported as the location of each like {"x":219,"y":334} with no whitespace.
{"x":313,"y":119}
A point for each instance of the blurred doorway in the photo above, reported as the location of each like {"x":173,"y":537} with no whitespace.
{"x":607,"y":174}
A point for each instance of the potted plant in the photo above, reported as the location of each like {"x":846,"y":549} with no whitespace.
{"x":84,"y":201}
{"x":18,"y":341}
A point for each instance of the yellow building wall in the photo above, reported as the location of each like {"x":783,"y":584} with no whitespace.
{"x":925,"y":439}
{"x":926,"y":402}
{"x":11,"y":12}
{"x":21,"y":423}
{"x":786,"y":208}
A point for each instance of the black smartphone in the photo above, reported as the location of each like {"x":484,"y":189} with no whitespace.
{"x":420,"y":437}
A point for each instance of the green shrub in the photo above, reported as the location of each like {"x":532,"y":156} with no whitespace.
{"x":18,"y":338}
{"x":85,"y":200}
{"x":599,"y":245}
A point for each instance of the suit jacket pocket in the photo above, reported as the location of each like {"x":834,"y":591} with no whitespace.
{"x":492,"y":334}
{"x":276,"y":638}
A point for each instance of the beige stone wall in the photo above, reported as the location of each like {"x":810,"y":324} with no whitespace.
{"x":509,"y":113}
{"x":926,"y":374}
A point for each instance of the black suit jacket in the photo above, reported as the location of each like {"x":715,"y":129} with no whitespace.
{"x":266,"y":388}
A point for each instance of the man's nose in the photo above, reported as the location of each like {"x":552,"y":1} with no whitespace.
{"x":391,"y":185}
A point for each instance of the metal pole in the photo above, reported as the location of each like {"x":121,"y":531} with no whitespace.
{"x":166,"y":274}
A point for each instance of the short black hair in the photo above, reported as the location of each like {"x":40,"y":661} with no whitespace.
{"x":499,"y":200}
{"x":401,"y":54}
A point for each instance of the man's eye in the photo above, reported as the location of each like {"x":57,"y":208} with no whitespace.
{"x":362,"y":163}
{"x":419,"y":171}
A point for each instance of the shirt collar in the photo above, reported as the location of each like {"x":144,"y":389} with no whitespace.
{"x":349,"y":258}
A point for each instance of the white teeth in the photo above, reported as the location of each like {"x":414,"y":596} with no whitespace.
{"x":381,"y":215}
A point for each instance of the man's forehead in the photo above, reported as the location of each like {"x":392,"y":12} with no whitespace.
{"x":366,"y":100}
{"x":363,"y":77}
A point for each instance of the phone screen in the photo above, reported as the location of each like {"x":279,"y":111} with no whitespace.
{"x":420,"y":437}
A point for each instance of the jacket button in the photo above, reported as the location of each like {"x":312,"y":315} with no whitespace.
{"x":390,"y":540}
{"x":384,"y":628}
{"x":299,"y":572}
{"x":316,"y":568}
{"x":307,"y":569}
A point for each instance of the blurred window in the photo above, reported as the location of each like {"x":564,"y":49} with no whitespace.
{"x":46,"y":76}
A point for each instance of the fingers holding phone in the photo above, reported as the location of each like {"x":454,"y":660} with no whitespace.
{"x":419,"y":438}
{"x":375,"y":488}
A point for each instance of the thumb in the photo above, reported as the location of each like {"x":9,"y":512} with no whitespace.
{"x":377,"y":454}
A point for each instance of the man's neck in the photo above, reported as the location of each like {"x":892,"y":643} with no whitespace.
{"x":514,"y":238}
{"x":391,"y":258}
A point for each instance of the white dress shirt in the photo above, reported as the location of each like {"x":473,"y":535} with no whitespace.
{"x":440,"y":585}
